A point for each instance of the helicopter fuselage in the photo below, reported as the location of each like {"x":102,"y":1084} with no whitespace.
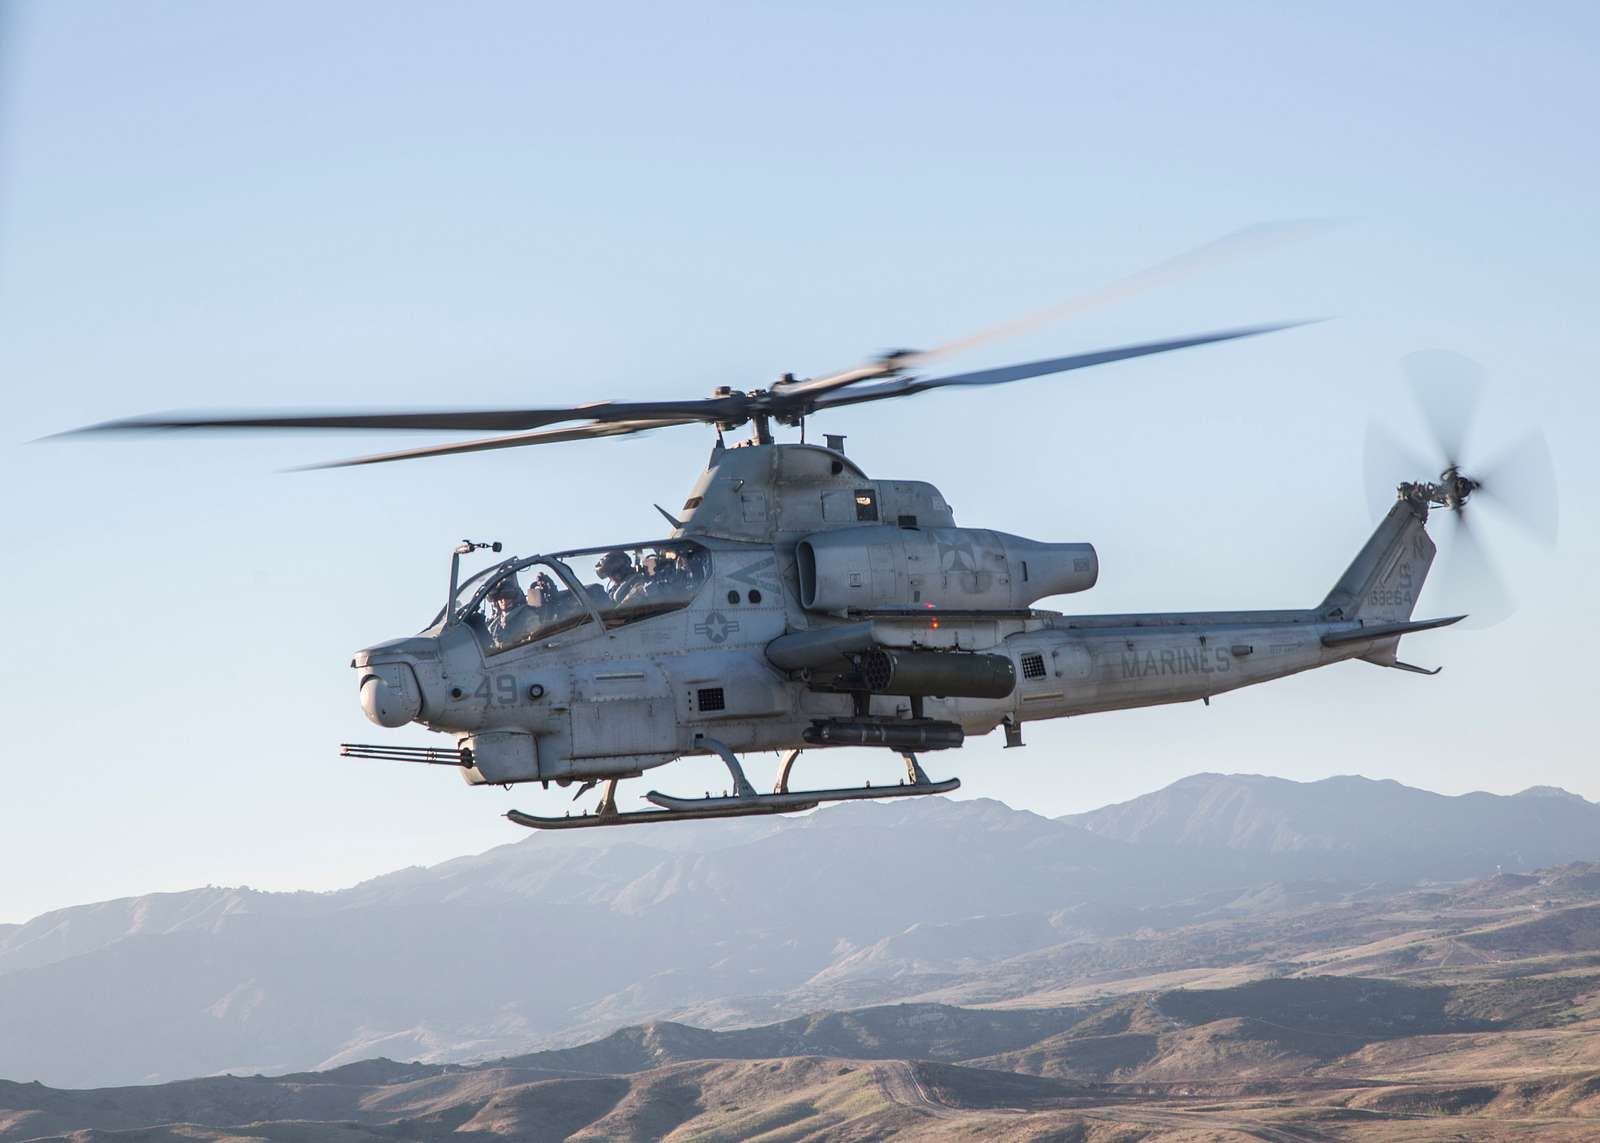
{"x":828,"y":608}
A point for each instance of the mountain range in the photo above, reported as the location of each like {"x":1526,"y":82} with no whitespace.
{"x":1356,"y":822}
{"x":1466,"y":1012}
{"x":561,"y":938}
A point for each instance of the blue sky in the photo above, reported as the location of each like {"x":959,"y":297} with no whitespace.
{"x":401,"y":204}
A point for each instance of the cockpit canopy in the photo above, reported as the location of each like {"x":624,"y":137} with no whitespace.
{"x":523,"y":600}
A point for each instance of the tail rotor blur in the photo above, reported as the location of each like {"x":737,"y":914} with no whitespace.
{"x":1520,"y":483}
{"x":1517,"y":483}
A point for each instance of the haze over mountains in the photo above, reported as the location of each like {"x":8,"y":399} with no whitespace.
{"x":1357,"y":822}
{"x":559,"y":938}
{"x":1467,"y":1012}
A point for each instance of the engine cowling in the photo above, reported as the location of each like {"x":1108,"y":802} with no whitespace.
{"x":887,"y":568}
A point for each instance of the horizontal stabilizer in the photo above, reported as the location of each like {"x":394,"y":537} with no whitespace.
{"x":1386,"y":630}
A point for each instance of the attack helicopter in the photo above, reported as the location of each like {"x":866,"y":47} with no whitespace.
{"x":797,"y":602}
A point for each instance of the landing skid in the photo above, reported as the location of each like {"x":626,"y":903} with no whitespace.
{"x":803,"y":799}
{"x":743,"y":802}
{"x":587,"y":820}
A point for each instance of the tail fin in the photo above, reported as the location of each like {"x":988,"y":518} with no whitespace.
{"x":1383,"y":581}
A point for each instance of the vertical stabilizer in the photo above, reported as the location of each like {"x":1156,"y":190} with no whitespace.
{"x":1383,"y":581}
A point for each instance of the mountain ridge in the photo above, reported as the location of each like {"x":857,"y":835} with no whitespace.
{"x":1350,"y":813}
{"x":551,"y":939}
{"x":1419,"y":1045}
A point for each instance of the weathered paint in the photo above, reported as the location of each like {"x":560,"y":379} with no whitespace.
{"x":605,"y":703}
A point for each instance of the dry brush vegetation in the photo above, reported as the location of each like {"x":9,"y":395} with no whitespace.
{"x":1464,"y":1013}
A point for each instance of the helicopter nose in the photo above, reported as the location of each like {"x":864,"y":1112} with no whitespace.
{"x":390,"y":695}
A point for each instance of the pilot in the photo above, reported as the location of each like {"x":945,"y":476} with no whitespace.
{"x":668,"y":569}
{"x":662,"y":580}
{"x":505,"y":601}
{"x":617,"y":568}
{"x":689,"y":566}
{"x":645,"y":585}
{"x":542,"y":591}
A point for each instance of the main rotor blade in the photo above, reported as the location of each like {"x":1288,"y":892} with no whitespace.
{"x":1521,"y":482}
{"x":1447,"y":388}
{"x":1007,"y":373}
{"x":547,"y":436}
{"x":1250,"y":240}
{"x":494,"y":420}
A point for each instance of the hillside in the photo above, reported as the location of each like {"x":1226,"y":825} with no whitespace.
{"x":560,"y":939}
{"x":1505,"y":1045}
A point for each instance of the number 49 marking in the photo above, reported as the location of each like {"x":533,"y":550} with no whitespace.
{"x":504,"y":692}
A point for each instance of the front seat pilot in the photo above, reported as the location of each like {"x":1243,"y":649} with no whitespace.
{"x":616,"y":567}
{"x":505,"y":602}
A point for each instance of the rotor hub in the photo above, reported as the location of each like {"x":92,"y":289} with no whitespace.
{"x":1456,"y":487}
{"x":1451,"y":491}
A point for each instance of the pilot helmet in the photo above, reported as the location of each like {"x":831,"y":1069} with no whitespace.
{"x":506,"y":589}
{"x":614,"y":562}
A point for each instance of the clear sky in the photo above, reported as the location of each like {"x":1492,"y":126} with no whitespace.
{"x":296,"y":204}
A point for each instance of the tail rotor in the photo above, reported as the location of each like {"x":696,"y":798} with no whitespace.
{"x":1517,"y":483}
